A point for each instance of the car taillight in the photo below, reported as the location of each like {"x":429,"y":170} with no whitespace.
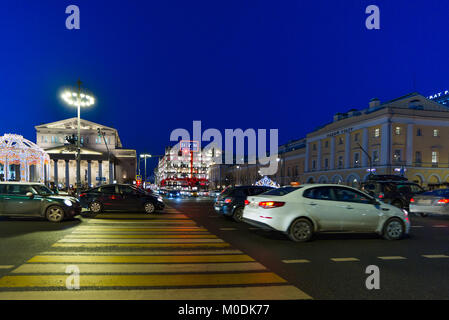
{"x":412,"y":200}
{"x":271,"y":204}
{"x":246,"y":202}
{"x":228,"y":200}
{"x":82,"y":195}
{"x":443,"y":201}
{"x":381,"y":195}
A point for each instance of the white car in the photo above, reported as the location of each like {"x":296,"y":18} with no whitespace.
{"x":302,"y":211}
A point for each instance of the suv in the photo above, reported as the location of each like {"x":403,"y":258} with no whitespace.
{"x":231,"y":201}
{"x":35,"y":199}
{"x":395,"y":192}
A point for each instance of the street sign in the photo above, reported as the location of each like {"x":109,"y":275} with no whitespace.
{"x":102,"y":178}
{"x":186,"y":145}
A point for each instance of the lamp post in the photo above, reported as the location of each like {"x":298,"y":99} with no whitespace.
{"x":145,"y":156}
{"x":78,"y":99}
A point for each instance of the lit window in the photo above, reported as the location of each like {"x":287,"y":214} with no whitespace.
{"x":397,"y":155}
{"x":436,"y":132}
{"x":398,"y":130}
{"x":356,"y":159}
{"x":434,"y":156}
{"x":375,"y":157}
{"x":376,"y":133}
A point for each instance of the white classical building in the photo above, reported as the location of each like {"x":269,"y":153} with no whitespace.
{"x":103,"y":160}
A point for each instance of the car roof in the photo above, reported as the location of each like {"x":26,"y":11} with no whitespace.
{"x":19,"y":182}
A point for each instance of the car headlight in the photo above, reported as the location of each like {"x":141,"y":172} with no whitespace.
{"x":68,"y":203}
{"x":405,"y":212}
{"x":159,"y":199}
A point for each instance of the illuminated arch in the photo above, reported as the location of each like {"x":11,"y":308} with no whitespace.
{"x":29,"y":160}
{"x":337,"y":179}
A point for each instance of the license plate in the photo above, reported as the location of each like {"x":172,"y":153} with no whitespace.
{"x":425,"y":201}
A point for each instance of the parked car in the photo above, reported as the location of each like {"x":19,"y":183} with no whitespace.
{"x":302,"y":211}
{"x":395,"y":192}
{"x":231,"y":201}
{"x":120,"y":197}
{"x":214,"y":193}
{"x":431,"y":202}
{"x":35,"y":199}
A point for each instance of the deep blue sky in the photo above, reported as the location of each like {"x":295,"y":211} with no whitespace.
{"x":157,"y":65}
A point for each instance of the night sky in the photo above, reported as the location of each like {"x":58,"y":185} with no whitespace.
{"x":154,"y":66}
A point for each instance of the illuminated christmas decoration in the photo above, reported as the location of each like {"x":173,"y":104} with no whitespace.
{"x":22,"y":160}
{"x":267,"y":182}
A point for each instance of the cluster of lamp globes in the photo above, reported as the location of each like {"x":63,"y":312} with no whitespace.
{"x":73,"y":98}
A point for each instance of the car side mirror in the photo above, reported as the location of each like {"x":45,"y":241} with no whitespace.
{"x":30,"y":195}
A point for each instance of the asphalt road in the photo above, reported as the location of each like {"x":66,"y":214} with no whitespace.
{"x":190,"y":252}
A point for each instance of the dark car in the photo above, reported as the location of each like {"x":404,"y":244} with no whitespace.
{"x":120,"y":197}
{"x":35,"y":199}
{"x":173,"y":194}
{"x":395,"y":192}
{"x":231,"y":201}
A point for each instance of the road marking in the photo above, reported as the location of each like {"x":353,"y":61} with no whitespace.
{"x":160,"y":280}
{"x":146,"y":252}
{"x":140,"y":230}
{"x":142,"y":222}
{"x":139,"y":216}
{"x":142,"y":236}
{"x":141,"y":259}
{"x":78,"y":240}
{"x":344,"y":259}
{"x":141,"y":245}
{"x":142,"y":268}
{"x":435,"y":256}
{"x":228,"y":229}
{"x":417,"y":226}
{"x":296,"y":261}
{"x":440,"y":226}
{"x":273,"y":292}
{"x":392,"y":258}
{"x":7,"y":267}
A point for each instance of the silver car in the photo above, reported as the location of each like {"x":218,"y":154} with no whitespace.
{"x":431,"y":202}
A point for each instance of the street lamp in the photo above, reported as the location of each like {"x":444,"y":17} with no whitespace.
{"x":79,"y":99}
{"x":145,"y":156}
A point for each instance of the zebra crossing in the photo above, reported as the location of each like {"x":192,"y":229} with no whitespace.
{"x":138,"y":256}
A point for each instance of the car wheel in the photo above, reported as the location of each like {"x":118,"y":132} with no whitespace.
{"x":301,"y":230}
{"x":393,"y":229}
{"x":238,"y":214}
{"x":54,"y":214}
{"x":398,"y":204}
{"x":95,"y":207}
{"x":149,"y":208}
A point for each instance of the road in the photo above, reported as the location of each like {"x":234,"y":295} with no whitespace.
{"x":190,"y":252}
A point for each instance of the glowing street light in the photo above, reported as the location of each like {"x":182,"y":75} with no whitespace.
{"x":78,"y":99}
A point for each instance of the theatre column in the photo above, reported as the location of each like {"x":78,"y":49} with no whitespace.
{"x":55,"y":174}
{"x":67,"y":174}
{"x":100,"y":170}
{"x":365,"y":159}
{"x":347,"y":150}
{"x":89,"y":172}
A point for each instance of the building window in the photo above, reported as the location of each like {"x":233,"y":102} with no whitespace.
{"x":397,"y":130}
{"x":326,"y":163}
{"x":296,"y":171}
{"x":356,"y":137}
{"x":375,"y":157}
{"x":419,"y":133}
{"x":340,"y":140}
{"x":436,"y":132}
{"x":434,"y":157}
{"x":376,"y":133}
{"x":397,"y":155}
{"x":288,"y":172}
{"x":340,"y":162}
{"x":314,"y":147}
{"x":356,"y":160}
{"x":418,"y":157}
{"x":313,"y":164}
{"x":326,"y":144}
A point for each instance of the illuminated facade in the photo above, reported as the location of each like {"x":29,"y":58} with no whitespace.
{"x":22,"y":160}
{"x":406,"y":136}
{"x":183,"y":169}
{"x":103,"y":160}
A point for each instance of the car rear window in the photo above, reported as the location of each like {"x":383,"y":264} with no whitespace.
{"x":281,"y":191}
{"x":438,"y":193}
